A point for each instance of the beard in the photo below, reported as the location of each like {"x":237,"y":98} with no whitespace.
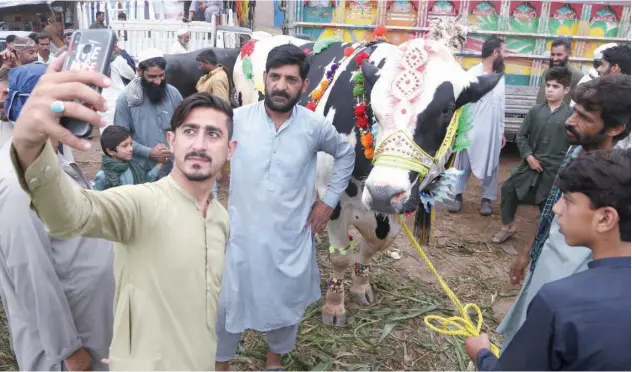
{"x":199,"y":176}
{"x":498,"y":65}
{"x":586,"y":141}
{"x":278,"y":106}
{"x":3,"y":115}
{"x":563,"y":63}
{"x":155,"y":93}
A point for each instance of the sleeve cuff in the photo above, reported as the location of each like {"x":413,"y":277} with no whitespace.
{"x":481,"y":358}
{"x":331,"y":199}
{"x":43,"y":169}
{"x":141,"y":150}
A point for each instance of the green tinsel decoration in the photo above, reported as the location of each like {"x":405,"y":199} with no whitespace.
{"x":465,"y":125}
{"x":323,"y":44}
{"x":358,"y":90}
{"x":246,"y":67}
{"x":358,"y":77}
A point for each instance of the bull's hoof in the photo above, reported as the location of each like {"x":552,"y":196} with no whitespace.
{"x":362,"y":295}
{"x":335,"y":318}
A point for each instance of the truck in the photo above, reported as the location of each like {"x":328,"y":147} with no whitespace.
{"x":528,"y":28}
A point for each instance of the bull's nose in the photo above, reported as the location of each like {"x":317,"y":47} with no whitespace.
{"x":382,"y":197}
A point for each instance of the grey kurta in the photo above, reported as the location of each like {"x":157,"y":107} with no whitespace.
{"x":271,"y":274}
{"x":147,"y":122}
{"x":58,"y":294}
{"x":577,"y":76}
{"x":543,"y":135}
{"x":168,"y":264}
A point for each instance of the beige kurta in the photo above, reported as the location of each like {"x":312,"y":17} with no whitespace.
{"x":168,"y":264}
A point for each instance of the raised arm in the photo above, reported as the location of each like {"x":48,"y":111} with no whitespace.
{"x":65,"y":209}
{"x":336,"y":145}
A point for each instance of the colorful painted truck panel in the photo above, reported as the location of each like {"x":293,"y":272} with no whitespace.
{"x":528,"y":28}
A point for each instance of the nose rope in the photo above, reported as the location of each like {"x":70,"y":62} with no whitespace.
{"x":461,"y":325}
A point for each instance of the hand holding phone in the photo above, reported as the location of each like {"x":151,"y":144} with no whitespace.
{"x":89,"y":50}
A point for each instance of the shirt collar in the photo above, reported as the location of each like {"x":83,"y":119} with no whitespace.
{"x":185,"y":193}
{"x":611,"y":262}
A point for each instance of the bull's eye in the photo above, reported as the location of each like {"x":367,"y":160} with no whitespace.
{"x":446,"y":111}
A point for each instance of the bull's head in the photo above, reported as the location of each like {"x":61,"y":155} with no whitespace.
{"x":414,"y":97}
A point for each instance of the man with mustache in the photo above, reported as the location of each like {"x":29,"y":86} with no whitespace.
{"x":271,"y":274}
{"x":487,"y":134}
{"x":169,"y":235}
{"x":182,"y":44}
{"x":145,"y":109}
{"x":600,"y":119}
{"x":560,"y":54}
{"x":24,"y":51}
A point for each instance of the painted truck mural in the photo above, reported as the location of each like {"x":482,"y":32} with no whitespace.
{"x":528,"y":28}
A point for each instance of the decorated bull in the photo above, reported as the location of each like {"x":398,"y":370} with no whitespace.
{"x":396,"y":105}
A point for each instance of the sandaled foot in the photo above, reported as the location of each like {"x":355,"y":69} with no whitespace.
{"x":457,"y":206}
{"x":502,"y":236}
{"x":486,"y":207}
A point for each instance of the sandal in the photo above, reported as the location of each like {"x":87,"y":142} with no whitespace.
{"x":502,"y":236}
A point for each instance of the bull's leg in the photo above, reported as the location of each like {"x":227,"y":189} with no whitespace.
{"x":373,"y":241}
{"x":333,"y":311}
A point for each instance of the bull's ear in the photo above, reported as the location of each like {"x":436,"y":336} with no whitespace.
{"x":371,"y":74}
{"x":479,"y":87}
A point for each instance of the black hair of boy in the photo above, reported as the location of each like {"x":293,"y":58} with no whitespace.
{"x":112,"y":137}
{"x":618,"y":55}
{"x":560,"y":74}
{"x":604,"y":177}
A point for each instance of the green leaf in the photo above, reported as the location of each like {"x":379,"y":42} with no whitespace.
{"x":412,"y":314}
{"x":358,"y":77}
{"x":322,"y":366}
{"x":323,"y":44}
{"x":358,"y":90}
{"x":387,"y":329}
{"x":246,"y":67}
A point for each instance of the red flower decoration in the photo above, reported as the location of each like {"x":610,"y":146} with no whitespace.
{"x":348,"y":51}
{"x":311,"y":106}
{"x":361,"y":57}
{"x":248,"y":48}
{"x":359,"y":110}
{"x":350,"y":238}
{"x":307,"y":51}
{"x":379,"y":31}
{"x":362,"y":122}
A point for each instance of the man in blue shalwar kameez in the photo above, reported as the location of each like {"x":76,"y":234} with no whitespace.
{"x":271,"y":274}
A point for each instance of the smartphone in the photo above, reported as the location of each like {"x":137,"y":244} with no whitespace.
{"x":89,"y":50}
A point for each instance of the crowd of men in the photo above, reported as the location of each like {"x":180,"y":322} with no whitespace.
{"x":190,"y":276}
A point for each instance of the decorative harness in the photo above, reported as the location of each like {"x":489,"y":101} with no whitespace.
{"x":398,"y":149}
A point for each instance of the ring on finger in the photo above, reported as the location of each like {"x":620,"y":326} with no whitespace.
{"x":58,"y":107}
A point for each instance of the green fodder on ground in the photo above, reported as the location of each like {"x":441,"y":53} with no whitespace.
{"x":7,"y":360}
{"x":389,"y":335}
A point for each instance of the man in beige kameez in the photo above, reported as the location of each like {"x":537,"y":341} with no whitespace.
{"x":169,"y":235}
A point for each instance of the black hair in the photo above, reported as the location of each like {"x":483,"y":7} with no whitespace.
{"x":10,"y":38}
{"x":207,"y":56}
{"x":618,"y":55}
{"x":609,"y":95}
{"x":113,"y":136}
{"x":604,"y":177}
{"x":99,"y":13}
{"x":562,"y":41}
{"x":41,"y":37}
{"x":490,"y":45}
{"x":560,"y":74}
{"x":153,"y":62}
{"x":202,"y":100}
{"x":122,"y":16}
{"x":33,"y":36}
{"x":288,"y":54}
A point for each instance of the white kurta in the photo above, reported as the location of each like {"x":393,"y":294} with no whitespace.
{"x":118,"y":69}
{"x":177,"y":48}
{"x":488,"y":128}
{"x":271,"y":275}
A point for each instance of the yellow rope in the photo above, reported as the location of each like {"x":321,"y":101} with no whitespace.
{"x":461,"y":325}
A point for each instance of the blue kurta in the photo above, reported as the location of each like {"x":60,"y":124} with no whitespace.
{"x":271,"y":275}
{"x":580,"y":323}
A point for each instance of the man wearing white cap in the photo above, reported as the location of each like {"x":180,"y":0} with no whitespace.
{"x":145,"y":109}
{"x":182,"y":44}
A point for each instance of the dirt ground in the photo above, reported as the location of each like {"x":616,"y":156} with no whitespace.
{"x":391,"y":334}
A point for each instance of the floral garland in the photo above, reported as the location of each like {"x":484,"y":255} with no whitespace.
{"x":319,"y":91}
{"x":360,"y":109}
{"x":343,"y":251}
{"x":246,"y":64}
